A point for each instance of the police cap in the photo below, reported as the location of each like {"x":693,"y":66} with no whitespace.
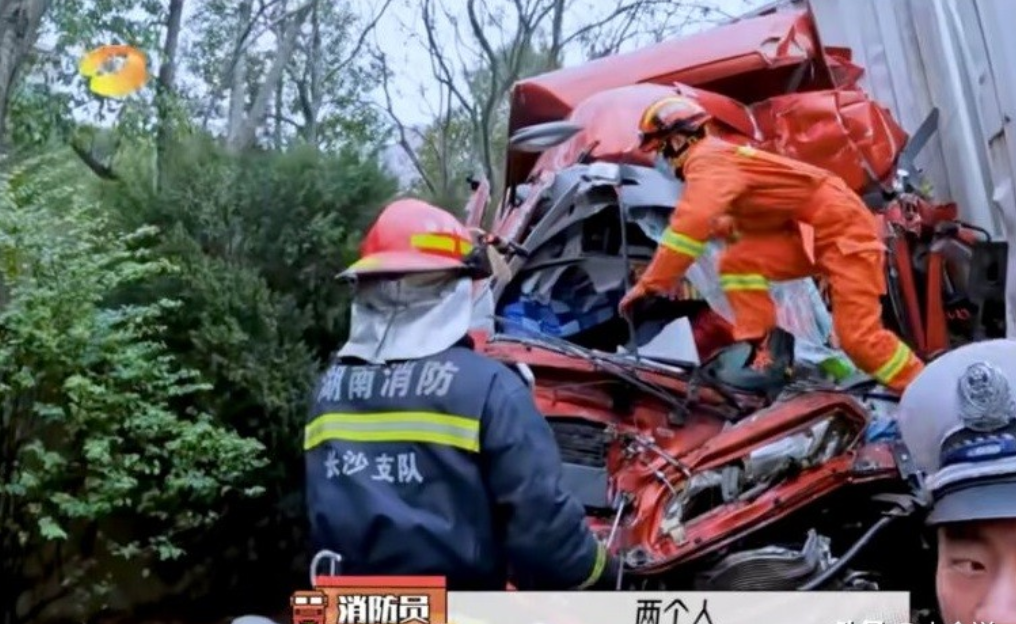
{"x":958,"y":419}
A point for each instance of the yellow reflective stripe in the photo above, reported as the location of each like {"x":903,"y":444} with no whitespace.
{"x":745,"y":150}
{"x":365,"y":263}
{"x":682,"y":244}
{"x":598,"y":565}
{"x":447,"y":243}
{"x":427,"y":427}
{"x":743,"y":281}
{"x":895,"y":364}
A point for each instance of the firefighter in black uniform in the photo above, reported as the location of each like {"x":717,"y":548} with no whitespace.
{"x":424,"y":457}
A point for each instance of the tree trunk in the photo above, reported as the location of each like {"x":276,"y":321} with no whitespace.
{"x":314,"y":59}
{"x":19,"y":29}
{"x":164,"y":88}
{"x":280,"y":112}
{"x":238,"y":75}
{"x":244,"y":137}
{"x":556,"y":56}
{"x":280,"y":89}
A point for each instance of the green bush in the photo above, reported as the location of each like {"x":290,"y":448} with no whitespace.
{"x":294,"y":218}
{"x":97,"y":458}
{"x":258,"y":239}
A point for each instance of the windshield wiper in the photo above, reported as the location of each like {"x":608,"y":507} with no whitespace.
{"x":605,"y":364}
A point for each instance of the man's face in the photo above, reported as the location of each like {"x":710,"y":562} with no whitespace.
{"x":976,"y":576}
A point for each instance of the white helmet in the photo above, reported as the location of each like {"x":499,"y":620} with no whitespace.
{"x":958,"y":419}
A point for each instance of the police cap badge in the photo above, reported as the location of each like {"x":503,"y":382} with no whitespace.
{"x":986,"y":401}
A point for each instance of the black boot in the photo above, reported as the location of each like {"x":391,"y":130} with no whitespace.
{"x":761,"y":366}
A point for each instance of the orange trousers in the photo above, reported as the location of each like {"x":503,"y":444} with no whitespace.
{"x":849,"y":254}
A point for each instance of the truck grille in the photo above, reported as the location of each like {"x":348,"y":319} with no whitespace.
{"x":581,"y":442}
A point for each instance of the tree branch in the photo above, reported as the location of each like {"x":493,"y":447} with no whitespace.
{"x":355,"y":52}
{"x":400,"y":127}
{"x":99,"y":169}
{"x":441,"y":70}
{"x":474,"y":22}
{"x":245,"y":135}
{"x":245,"y":36}
{"x":616,"y":13}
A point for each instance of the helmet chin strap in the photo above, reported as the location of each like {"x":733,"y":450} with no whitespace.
{"x":679,"y":154}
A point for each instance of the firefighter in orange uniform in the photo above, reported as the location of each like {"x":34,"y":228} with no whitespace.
{"x":791,"y":220}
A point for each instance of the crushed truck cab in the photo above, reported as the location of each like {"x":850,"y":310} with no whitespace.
{"x":692,"y":483}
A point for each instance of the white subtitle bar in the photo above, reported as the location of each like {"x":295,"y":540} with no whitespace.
{"x":858,"y":607}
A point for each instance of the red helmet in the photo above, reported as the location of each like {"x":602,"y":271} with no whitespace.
{"x":673,"y":114}
{"x":412,"y":236}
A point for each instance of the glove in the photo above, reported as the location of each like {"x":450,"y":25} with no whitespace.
{"x":661,"y":279}
{"x":633,"y":296}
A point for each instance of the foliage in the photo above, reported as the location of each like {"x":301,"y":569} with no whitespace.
{"x":90,"y":434}
{"x":259,"y":239}
{"x":38,"y":117}
{"x":294,"y":218}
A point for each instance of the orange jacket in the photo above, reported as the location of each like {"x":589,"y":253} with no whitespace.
{"x":758,"y":190}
